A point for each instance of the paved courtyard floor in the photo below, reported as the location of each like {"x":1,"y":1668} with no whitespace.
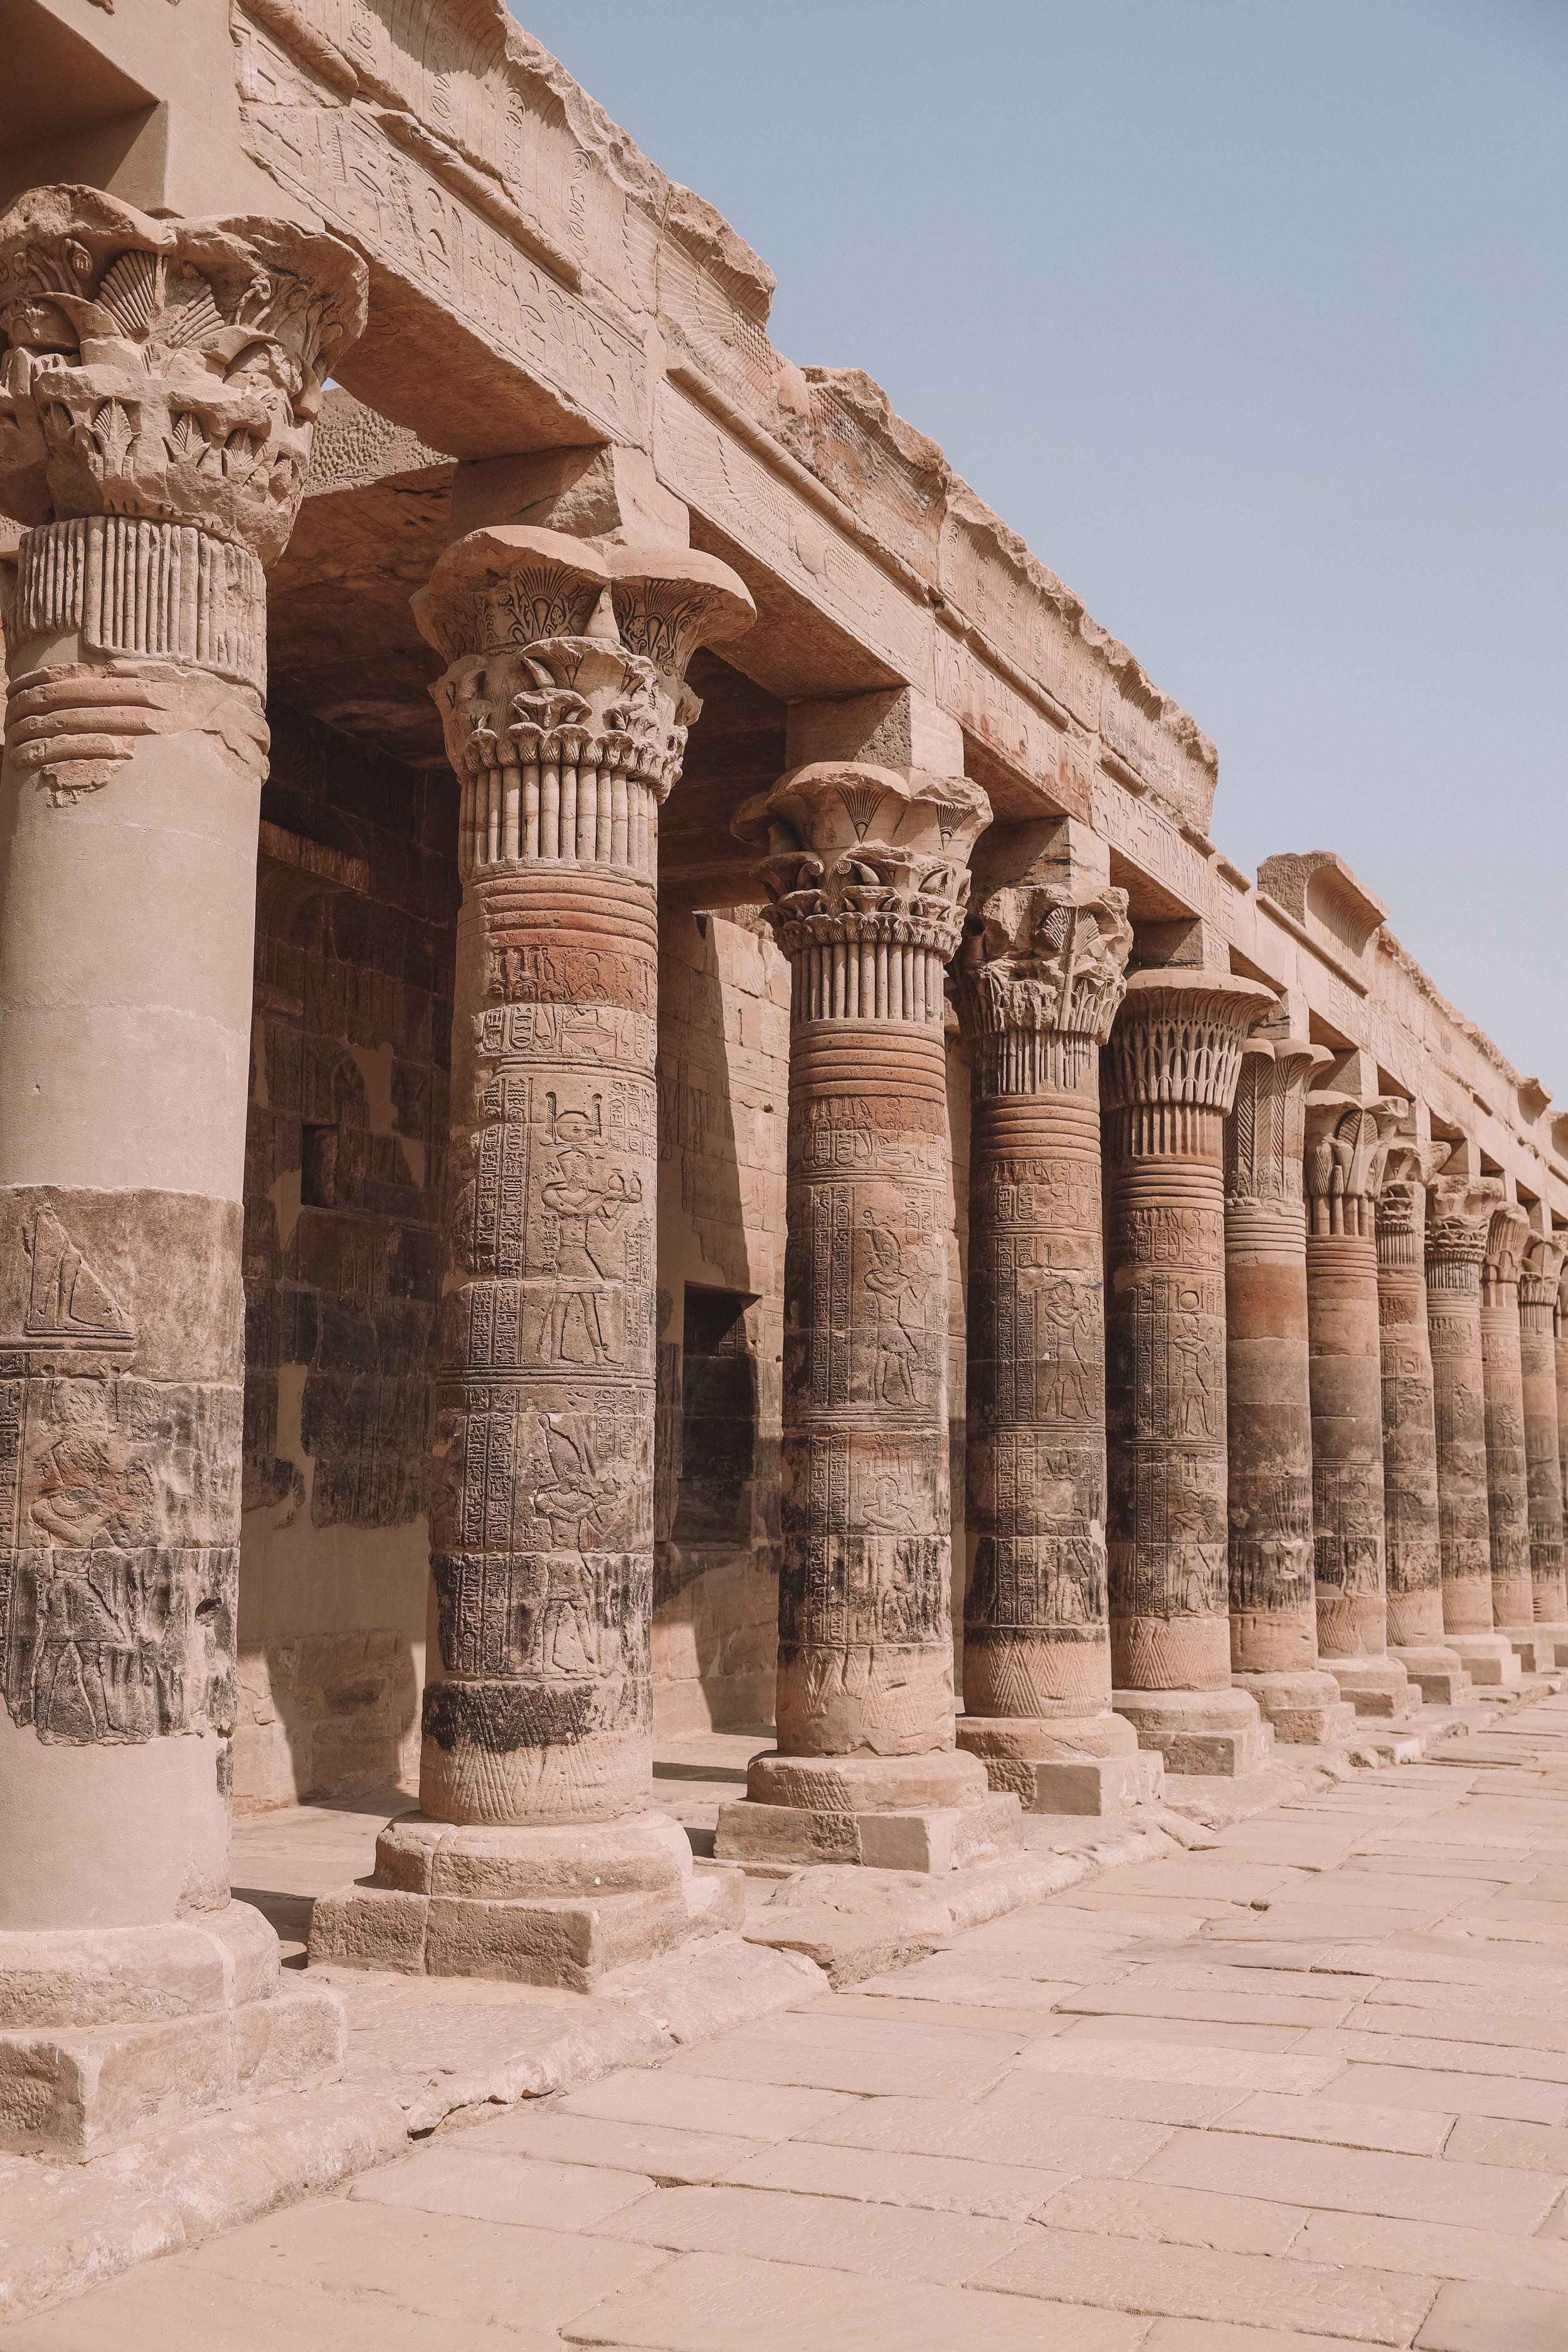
{"x":1306,"y":2086}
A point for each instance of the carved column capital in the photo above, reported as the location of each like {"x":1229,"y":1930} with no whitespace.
{"x":1540,"y":1277}
{"x":1459,"y":1221}
{"x":1170,"y":1070}
{"x":1401,"y":1216}
{"x":159,"y":386}
{"x":1507,"y":1238}
{"x":564,"y":704}
{"x":1266,"y":1128}
{"x":867,"y":871}
{"x":1040,"y":977}
{"x":1347,"y":1147}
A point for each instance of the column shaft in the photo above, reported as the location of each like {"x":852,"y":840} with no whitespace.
{"x":868,"y":879}
{"x":161,"y":378}
{"x":1412,"y":1532}
{"x":1459,"y":1213}
{"x":534,"y":1854}
{"x":1507,"y":1483}
{"x":1346,"y":1148}
{"x":1542,"y":1438}
{"x":1170,"y":1076}
{"x":1273,"y":1613}
{"x":1040,"y":982}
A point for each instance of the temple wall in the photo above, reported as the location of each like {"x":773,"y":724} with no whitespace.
{"x":723,"y":1081}
{"x":348,"y":1110}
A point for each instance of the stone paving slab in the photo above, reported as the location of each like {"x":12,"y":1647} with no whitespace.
{"x":1231,"y":2097}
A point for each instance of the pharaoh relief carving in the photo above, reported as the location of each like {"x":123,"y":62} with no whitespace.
{"x":866,"y":872}
{"x":566,"y":708}
{"x":159,"y":386}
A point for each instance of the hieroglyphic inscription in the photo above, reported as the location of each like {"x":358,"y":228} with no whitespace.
{"x":346,"y":168}
{"x":118,"y":1484}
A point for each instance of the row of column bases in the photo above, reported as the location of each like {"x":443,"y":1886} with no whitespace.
{"x":1258,"y":1443}
{"x":1270,"y":1438}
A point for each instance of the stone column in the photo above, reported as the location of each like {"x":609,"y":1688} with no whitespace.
{"x":1040,"y":978}
{"x":1412,"y":1533}
{"x":158,"y":387}
{"x":1347,"y":1143}
{"x":868,"y":880}
{"x":1168,"y":1077}
{"x":533,"y":1854}
{"x":1459,"y":1217}
{"x":1538,"y":1283}
{"x":1508,"y":1483}
{"x":1273,"y":1605}
{"x":1560,"y":1343}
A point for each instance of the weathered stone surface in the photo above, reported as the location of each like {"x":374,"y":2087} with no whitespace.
{"x":1459,"y":1219}
{"x":1168,"y":1079}
{"x":1040,"y":983}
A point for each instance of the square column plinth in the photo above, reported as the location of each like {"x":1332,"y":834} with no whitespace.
{"x":929,"y":1812}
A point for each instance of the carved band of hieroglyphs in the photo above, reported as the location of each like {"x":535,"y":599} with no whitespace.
{"x":166,"y":591}
{"x":120,"y":1449}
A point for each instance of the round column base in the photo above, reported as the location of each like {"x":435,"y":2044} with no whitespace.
{"x":1305,"y":1709}
{"x":1489,"y":1659}
{"x":1217,"y":1732}
{"x":1378,"y":1688}
{"x":555,"y":1905}
{"x":1437,"y":1670}
{"x":931,"y":1812}
{"x":108,"y":2034}
{"x":1078,"y":1764}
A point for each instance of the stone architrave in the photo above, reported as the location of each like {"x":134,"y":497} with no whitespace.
{"x":1273,"y":1605}
{"x":1508,"y":1480}
{"x":1412,"y":1532}
{"x":1039,"y":981}
{"x":533,"y":1854}
{"x":159,"y":383}
{"x":1347,"y":1144}
{"x":1458,"y":1218}
{"x":1168,"y":1078}
{"x":1538,"y":1284}
{"x":867,"y":876}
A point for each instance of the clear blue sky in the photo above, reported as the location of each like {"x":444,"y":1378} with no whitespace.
{"x":1251,"y":316}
